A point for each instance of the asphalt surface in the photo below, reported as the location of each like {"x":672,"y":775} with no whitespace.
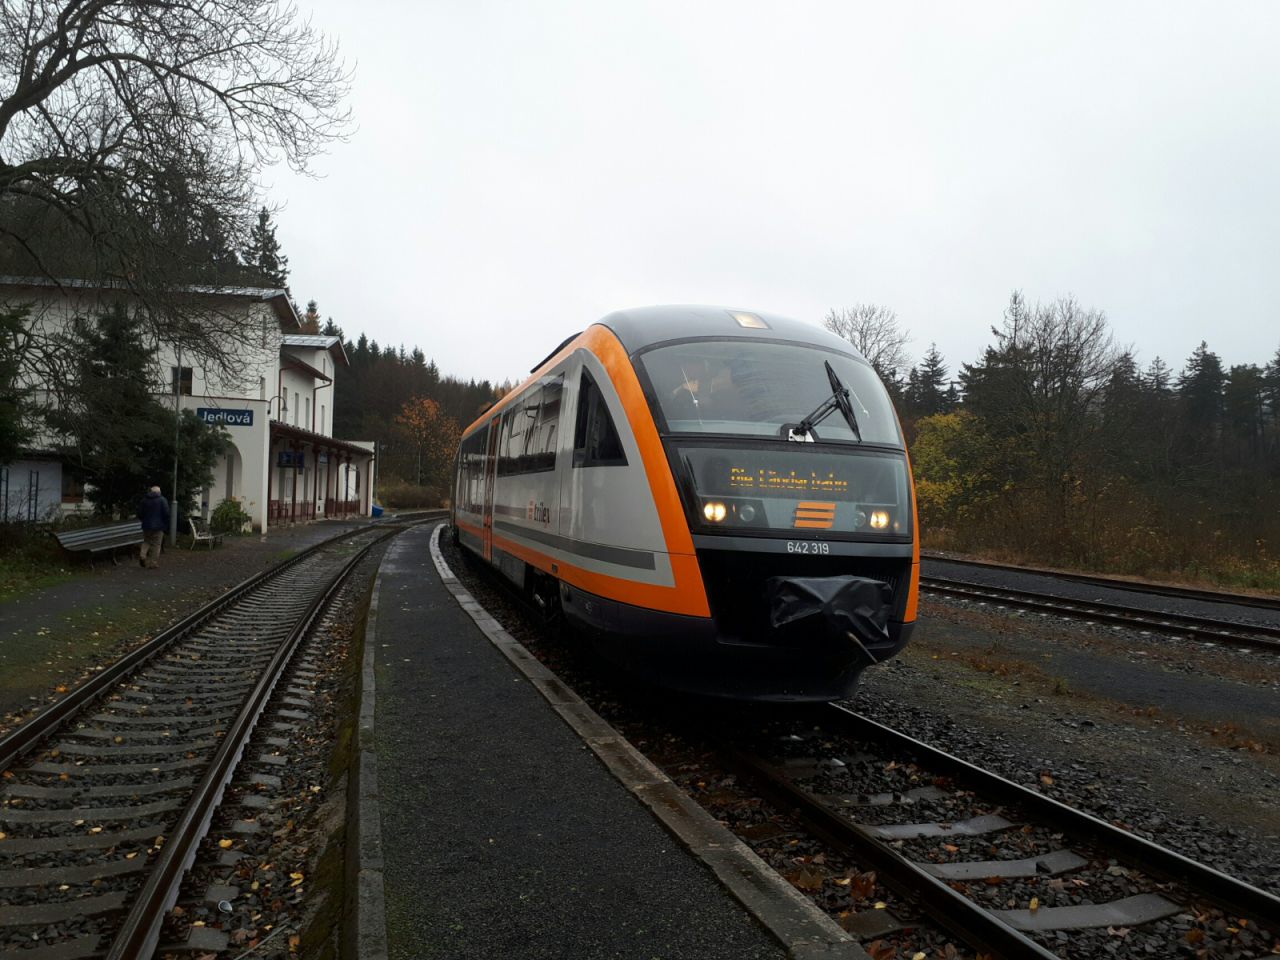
{"x":503,"y":834}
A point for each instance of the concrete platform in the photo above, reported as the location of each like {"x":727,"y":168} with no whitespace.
{"x":502,"y":832}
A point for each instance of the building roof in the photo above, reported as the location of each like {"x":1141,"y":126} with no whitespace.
{"x":278,"y":299}
{"x":281,"y":429}
{"x":318,"y":341}
{"x":289,"y":360}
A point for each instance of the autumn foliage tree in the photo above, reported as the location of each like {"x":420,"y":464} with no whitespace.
{"x":433,"y":436}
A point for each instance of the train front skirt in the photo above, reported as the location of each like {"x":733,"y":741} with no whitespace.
{"x":826,"y":630}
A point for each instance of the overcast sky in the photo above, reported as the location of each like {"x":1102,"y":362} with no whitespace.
{"x":521,"y":169}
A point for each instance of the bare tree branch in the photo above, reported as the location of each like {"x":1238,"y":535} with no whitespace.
{"x":875,"y":332}
{"x":133,"y":135}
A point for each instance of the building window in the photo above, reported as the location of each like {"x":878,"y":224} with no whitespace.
{"x":322,"y":418}
{"x":307,"y":421}
{"x":296,"y":405}
{"x":262,"y":388}
{"x":180,"y":380}
{"x":72,"y":487}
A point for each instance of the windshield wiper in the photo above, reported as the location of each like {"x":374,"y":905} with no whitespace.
{"x":839,"y":400}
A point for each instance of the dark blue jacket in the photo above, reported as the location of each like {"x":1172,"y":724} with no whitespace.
{"x":154,"y":512}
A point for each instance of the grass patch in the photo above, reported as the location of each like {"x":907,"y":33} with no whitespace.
{"x":1260,"y":573}
{"x":29,"y":559}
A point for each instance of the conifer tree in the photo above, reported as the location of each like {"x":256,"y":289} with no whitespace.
{"x":263,"y":254}
{"x":311,"y":319}
{"x":1200,"y":388}
{"x":1157,"y":377}
{"x":1271,"y":388}
{"x":931,"y":383}
{"x":14,"y":431}
{"x":115,"y":433}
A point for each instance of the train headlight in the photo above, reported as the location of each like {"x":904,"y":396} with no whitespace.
{"x":746,"y":513}
{"x":879,"y":519}
{"x":859,"y":519}
{"x":714,"y":511}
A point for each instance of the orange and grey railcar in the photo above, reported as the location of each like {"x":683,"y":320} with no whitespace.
{"x":721,"y":500}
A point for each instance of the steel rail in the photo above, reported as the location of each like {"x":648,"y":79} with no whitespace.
{"x":969,"y":921}
{"x":23,"y":738}
{"x":1262,"y":636}
{"x":1111,"y":583}
{"x":139,"y":935}
{"x":1232,"y":894}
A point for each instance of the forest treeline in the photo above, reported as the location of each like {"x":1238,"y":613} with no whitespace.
{"x":1055,"y":445}
{"x":401,"y":400}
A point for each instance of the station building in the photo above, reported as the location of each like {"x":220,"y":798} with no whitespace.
{"x":276,"y":403}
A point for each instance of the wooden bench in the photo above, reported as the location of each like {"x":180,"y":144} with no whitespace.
{"x":104,"y":539}
{"x":200,"y":533}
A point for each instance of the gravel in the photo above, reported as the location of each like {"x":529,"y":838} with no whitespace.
{"x":286,"y":872}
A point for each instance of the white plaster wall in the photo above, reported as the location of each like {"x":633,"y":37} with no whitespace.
{"x":251,"y":444}
{"x":17,"y":492}
{"x":298,"y":383}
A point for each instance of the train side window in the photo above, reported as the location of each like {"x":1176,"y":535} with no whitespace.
{"x":528,"y":414}
{"x":595,"y":439}
{"x":472,"y":456}
{"x":540,"y":452}
{"x":511,"y":442}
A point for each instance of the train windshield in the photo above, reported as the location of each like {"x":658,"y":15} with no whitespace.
{"x":760,"y":388}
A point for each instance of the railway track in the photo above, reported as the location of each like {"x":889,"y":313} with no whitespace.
{"x":1113,"y":583}
{"x":1259,"y":636}
{"x":1007,"y":870}
{"x":107,"y":793}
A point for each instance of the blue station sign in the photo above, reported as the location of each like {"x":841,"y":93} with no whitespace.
{"x":291,"y":458}
{"x":225,"y":417}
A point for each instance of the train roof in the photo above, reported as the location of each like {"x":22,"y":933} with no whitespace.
{"x":642,"y":327}
{"x":645,"y":326}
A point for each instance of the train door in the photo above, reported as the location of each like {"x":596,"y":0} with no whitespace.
{"x":490,"y":475}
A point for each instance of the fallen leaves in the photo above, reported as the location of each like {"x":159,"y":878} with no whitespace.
{"x":805,"y":878}
{"x":225,"y":844}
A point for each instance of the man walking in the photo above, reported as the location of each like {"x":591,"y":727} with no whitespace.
{"x":154,"y":514}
